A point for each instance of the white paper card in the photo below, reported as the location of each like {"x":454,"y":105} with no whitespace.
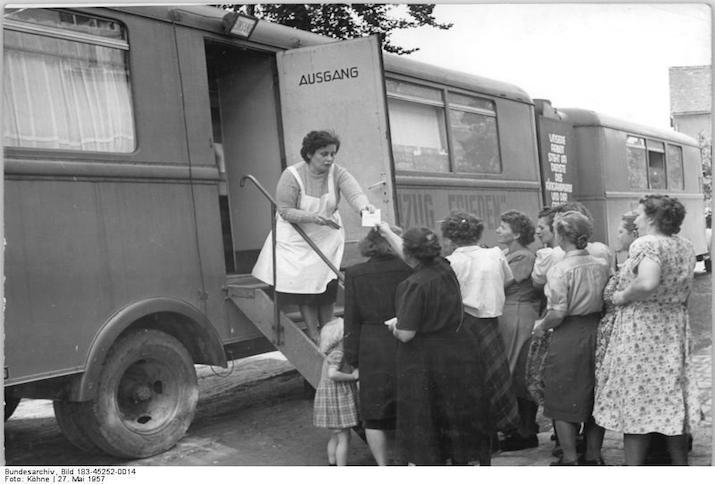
{"x":371,"y":219}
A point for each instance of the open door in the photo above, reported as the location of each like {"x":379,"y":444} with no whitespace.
{"x":340,"y":87}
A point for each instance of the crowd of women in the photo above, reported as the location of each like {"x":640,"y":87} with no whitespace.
{"x":451,"y":351}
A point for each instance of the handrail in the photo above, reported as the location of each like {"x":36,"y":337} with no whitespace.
{"x":295,"y":226}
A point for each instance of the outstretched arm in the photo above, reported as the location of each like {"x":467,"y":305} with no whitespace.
{"x":392,"y":238}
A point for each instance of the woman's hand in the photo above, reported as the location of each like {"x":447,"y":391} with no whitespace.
{"x":391,"y":323}
{"x":317,"y":219}
{"x":384,"y":229}
{"x":356,"y":374}
{"x":369,"y":207}
{"x":619,"y":298}
{"x":320,"y":220}
{"x":538,"y":330}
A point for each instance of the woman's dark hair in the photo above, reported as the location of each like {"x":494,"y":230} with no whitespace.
{"x":629,"y":222}
{"x":574,"y":227}
{"x":462,"y":228}
{"x":422,"y":244}
{"x":521,"y":225}
{"x":315,"y":140}
{"x":548,"y":214}
{"x":574,"y":206}
{"x":374,"y":244}
{"x":667,"y":212}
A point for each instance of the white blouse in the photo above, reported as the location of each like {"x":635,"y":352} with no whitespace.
{"x":482,"y":275}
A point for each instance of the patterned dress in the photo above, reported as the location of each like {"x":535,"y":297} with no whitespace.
{"x":336,"y":402}
{"x":646,"y":381}
{"x":605,"y":326}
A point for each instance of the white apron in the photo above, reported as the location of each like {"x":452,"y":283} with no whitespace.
{"x":300,"y":270}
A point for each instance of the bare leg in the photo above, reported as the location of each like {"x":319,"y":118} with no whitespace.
{"x":567,"y":432}
{"x":332,"y":446}
{"x":377,"y":441}
{"x":635,"y":447}
{"x":312,"y":320}
{"x":341,"y":451}
{"x":594,"y":440}
{"x":325,"y":314}
{"x":678,"y":449}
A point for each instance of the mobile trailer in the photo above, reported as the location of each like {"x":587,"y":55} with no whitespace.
{"x":129,"y":233}
{"x":613,"y":163}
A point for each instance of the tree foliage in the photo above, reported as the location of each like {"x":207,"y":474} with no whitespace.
{"x":706,"y":157}
{"x":348,"y":21}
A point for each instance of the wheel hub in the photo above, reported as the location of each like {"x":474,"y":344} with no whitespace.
{"x":141,"y":394}
{"x":148,"y":396}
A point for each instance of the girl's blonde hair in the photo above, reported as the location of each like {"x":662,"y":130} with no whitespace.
{"x":331,"y":335}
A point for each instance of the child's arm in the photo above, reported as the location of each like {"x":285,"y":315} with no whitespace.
{"x":337,"y":375}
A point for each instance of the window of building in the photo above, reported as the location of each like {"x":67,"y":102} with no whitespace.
{"x":656,"y":164}
{"x":636,"y":158}
{"x":434,"y":130}
{"x":675,"y":168}
{"x":66,"y":82}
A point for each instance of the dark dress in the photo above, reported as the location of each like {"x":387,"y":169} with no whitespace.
{"x":441,"y":403}
{"x":370,"y":289}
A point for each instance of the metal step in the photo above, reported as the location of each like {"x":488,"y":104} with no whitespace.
{"x":245,"y":285}
{"x":297,"y":347}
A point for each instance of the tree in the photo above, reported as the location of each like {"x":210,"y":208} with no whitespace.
{"x":348,"y":21}
{"x":706,"y":157}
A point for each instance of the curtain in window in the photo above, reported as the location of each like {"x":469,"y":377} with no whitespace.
{"x":60,"y":94}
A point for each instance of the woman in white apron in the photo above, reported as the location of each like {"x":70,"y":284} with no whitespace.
{"x":308,"y":194}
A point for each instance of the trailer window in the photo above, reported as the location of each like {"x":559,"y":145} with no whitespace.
{"x":435,"y":130}
{"x":66,"y":82}
{"x":473,"y":126}
{"x":675,"y":168}
{"x":417,"y":124}
{"x":636,"y":156}
{"x":656,"y":164}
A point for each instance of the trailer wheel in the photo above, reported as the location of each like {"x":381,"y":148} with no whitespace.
{"x":146,"y":396}
{"x":70,"y":419}
{"x":11,"y":404}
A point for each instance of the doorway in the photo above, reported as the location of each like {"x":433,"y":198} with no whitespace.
{"x":245,"y":121}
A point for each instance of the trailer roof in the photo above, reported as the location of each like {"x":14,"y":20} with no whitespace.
{"x":584,"y":118}
{"x":267,"y":33}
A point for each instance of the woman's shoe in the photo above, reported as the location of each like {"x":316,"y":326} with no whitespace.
{"x":562,"y":462}
{"x":596,"y":462}
{"x":517,"y":442}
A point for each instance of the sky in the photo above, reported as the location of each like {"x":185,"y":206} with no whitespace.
{"x":610,"y":58}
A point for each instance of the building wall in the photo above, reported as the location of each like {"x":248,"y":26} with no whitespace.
{"x":694,"y":125}
{"x":691,"y":100}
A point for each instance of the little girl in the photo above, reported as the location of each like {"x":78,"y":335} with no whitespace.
{"x":336,"y":399}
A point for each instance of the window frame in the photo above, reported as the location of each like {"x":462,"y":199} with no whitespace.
{"x":22,"y":152}
{"x":446,"y":106}
{"x":644,"y":149}
{"x":647,"y":147}
{"x":681,"y":188}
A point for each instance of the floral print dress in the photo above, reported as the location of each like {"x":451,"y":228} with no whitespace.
{"x":645,"y":382}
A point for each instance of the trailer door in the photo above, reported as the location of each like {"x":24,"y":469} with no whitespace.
{"x":340,"y":87}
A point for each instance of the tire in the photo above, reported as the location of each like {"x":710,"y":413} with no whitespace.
{"x":11,"y":404}
{"x":146,"y":396}
{"x":69,"y":418}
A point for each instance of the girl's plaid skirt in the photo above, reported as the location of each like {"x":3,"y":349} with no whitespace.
{"x":336,"y":404}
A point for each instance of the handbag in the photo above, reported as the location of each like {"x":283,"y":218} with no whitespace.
{"x":538,"y":349}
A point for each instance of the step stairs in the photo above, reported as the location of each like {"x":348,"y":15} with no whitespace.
{"x":254,"y":299}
